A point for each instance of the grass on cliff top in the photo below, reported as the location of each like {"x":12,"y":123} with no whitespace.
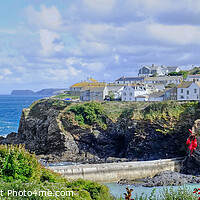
{"x":64,"y":96}
{"x":20,"y":170}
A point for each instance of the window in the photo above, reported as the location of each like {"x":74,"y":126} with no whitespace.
{"x":124,"y":93}
{"x":181,"y":97}
{"x":188,"y":91}
{"x":181,"y":90}
{"x":195,"y":90}
{"x":130,"y":93}
{"x":187,"y":97}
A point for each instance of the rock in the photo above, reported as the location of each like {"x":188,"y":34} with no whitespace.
{"x":163,"y":179}
{"x":48,"y":129}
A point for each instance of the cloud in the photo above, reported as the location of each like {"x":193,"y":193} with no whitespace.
{"x":62,"y":42}
{"x":181,"y":35}
{"x":46,"y":18}
{"x":50,"y":42}
{"x":99,"y":6}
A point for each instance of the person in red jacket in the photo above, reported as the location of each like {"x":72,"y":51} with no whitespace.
{"x":192,"y":142}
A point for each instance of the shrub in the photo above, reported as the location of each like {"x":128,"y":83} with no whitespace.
{"x":89,"y":113}
{"x":17,"y":164}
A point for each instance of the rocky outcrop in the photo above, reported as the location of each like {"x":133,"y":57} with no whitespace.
{"x":51,"y":131}
{"x":163,"y":179}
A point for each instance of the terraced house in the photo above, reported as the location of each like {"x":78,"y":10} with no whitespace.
{"x":161,"y":81}
{"x":188,"y":91}
{"x":130,"y":93}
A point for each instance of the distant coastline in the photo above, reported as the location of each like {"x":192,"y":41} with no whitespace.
{"x":49,"y":91}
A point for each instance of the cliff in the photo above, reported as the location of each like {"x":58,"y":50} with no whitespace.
{"x":105,"y":132}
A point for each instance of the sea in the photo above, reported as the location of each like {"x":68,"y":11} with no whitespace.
{"x":10,"y":112}
{"x":11,"y":109}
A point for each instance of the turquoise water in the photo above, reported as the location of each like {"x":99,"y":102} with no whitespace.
{"x":119,"y":190}
{"x":10,"y":111}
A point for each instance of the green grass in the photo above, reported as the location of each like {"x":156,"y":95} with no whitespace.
{"x":65,"y":96}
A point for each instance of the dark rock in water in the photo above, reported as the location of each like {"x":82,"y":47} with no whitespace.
{"x":163,"y":179}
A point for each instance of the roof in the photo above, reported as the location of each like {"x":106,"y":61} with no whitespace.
{"x":169,"y":89}
{"x":156,"y":94}
{"x":93,"y":80}
{"x":163,"y":78}
{"x":185,"y":84}
{"x":193,"y":76}
{"x":114,"y":88}
{"x":172,"y":68}
{"x":142,"y":96}
{"x":93,"y":89}
{"x":85,"y":84}
{"x":123,"y":78}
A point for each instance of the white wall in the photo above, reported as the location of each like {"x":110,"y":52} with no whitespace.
{"x":191,"y":96}
{"x":129,"y":93}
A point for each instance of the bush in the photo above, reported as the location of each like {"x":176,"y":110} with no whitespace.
{"x":89,"y":113}
{"x":17,"y":164}
{"x":20,"y":171}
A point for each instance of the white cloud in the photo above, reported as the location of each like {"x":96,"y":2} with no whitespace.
{"x":99,"y":6}
{"x":95,"y":66}
{"x":47,"y":39}
{"x":48,"y":18}
{"x":182,"y":35}
{"x":6,"y":72}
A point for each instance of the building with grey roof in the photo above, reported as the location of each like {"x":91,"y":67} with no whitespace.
{"x":129,"y":80}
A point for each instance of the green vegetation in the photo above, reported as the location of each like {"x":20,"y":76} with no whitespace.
{"x":195,"y":70}
{"x":163,"y":116}
{"x":169,"y":193}
{"x":20,"y":171}
{"x":181,"y":73}
{"x":65,"y":96}
{"x":170,"y":85}
{"x":89,"y":113}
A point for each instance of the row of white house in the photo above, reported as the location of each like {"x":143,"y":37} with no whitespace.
{"x":185,"y":91}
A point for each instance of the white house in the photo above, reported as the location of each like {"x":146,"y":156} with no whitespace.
{"x":93,"y":93}
{"x":142,"y":98}
{"x":173,"y":69}
{"x":159,"y":70}
{"x":192,"y":77}
{"x":156,"y":96}
{"x":116,"y":90}
{"x":130,"y":92}
{"x":160,"y":82}
{"x":150,"y":70}
{"x":188,"y":90}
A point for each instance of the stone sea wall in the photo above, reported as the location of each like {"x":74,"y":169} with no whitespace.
{"x":113,"y":172}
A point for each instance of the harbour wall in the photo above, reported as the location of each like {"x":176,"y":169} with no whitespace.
{"x":113,"y":172}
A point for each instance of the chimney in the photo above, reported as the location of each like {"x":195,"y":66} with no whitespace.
{"x":153,"y":65}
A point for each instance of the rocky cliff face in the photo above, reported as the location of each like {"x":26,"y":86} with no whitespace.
{"x":51,"y":131}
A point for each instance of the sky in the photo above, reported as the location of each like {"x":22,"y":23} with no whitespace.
{"x":54,"y":44}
